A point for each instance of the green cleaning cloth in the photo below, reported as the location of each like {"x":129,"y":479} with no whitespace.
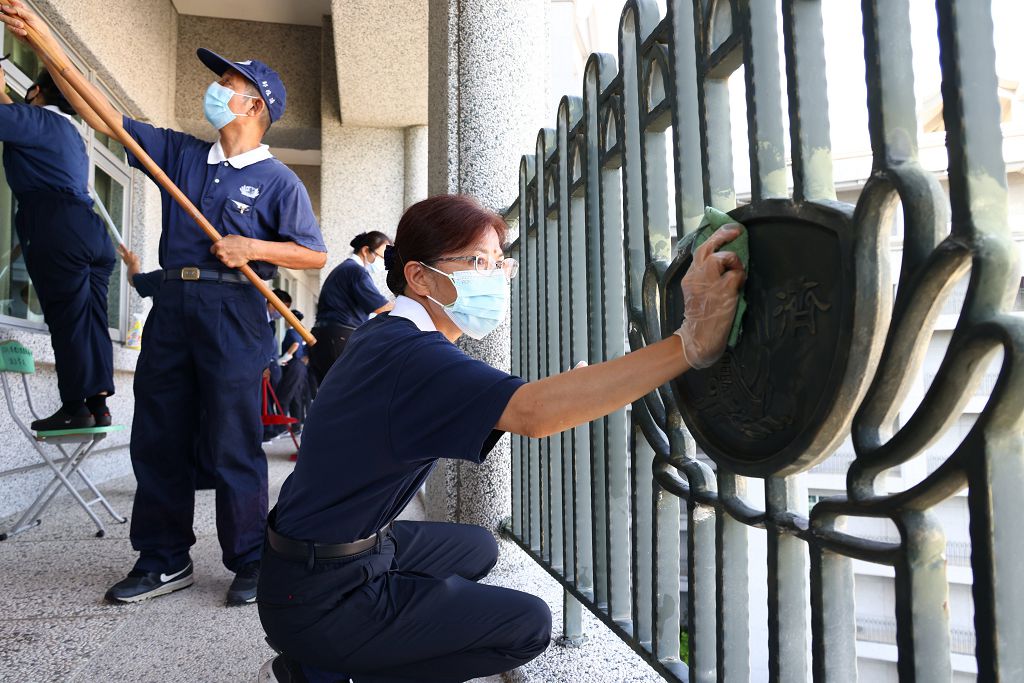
{"x":713,"y":220}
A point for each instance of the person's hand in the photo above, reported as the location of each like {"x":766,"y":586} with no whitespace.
{"x":3,"y":79}
{"x":131,"y":259}
{"x":17,"y":16}
{"x":234,"y":251}
{"x":283,"y":360}
{"x":711,"y":289}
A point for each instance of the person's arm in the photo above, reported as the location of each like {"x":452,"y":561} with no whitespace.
{"x":131,"y":259}
{"x":16,"y":16}
{"x":710,"y":287}
{"x":300,"y":246}
{"x":4,"y":97}
{"x":235,"y":251}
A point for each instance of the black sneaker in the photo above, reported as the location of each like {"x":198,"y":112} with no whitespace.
{"x":140,"y":585}
{"x":282,"y":669}
{"x":243,"y":588}
{"x":63,"y":420}
{"x":102,"y":419}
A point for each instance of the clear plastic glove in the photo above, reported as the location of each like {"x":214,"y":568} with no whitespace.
{"x":283,"y":360}
{"x":711,"y":288}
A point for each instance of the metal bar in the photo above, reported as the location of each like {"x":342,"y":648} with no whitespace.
{"x":833,"y":622}
{"x":665,"y":598}
{"x":732,"y":589}
{"x":597,"y":75}
{"x":811,"y":145}
{"x":922,"y":601}
{"x":643,"y":530}
{"x":764,"y":100}
{"x":787,"y":585}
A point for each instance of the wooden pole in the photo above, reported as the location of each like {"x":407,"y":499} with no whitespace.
{"x":74,"y":79}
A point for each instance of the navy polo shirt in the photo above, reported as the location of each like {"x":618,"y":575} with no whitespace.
{"x":348,"y":295}
{"x":396,"y":401}
{"x":252,"y":194}
{"x":292,"y":337}
{"x":43,"y":151}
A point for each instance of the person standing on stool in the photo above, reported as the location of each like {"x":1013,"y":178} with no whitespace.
{"x":66,"y":248}
{"x":345,"y":591}
{"x":347,"y":299}
{"x":202,"y":347}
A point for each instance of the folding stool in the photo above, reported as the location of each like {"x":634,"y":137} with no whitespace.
{"x":15,"y":358}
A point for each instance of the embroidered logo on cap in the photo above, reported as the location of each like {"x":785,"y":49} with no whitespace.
{"x":268,"y":92}
{"x":250,"y":191}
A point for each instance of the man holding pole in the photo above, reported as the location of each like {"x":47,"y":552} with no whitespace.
{"x":202,"y":346}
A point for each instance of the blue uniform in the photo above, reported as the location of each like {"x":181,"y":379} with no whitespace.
{"x":292,"y":387}
{"x":66,"y":248}
{"x":292,"y":337}
{"x":348,"y":296}
{"x":204,"y":350}
{"x":400,"y":398}
{"x":347,"y":299}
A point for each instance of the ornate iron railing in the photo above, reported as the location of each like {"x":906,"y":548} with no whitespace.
{"x":828,"y":350}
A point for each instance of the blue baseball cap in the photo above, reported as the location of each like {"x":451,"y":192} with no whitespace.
{"x":266,"y":80}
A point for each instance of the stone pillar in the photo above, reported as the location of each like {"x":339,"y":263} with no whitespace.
{"x":488,"y":74}
{"x":415,"y":164}
{"x":361,"y":171}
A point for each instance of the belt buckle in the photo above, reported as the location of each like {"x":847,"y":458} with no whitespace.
{"x":190,"y":273}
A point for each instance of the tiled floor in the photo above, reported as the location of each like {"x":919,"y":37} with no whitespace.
{"x":54,"y":625}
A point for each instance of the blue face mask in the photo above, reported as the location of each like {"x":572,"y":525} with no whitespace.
{"x":481,"y":300}
{"x":215,"y":105}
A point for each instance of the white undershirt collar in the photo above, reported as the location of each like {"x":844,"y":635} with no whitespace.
{"x":56,"y":110}
{"x":238,"y":161}
{"x":412,"y":310}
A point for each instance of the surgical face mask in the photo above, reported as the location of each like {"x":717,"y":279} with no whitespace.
{"x":275,"y":314}
{"x":481,"y":300}
{"x":377,"y":266}
{"x":216,"y":105}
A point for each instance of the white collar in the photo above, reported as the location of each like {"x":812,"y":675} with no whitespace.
{"x":56,"y":110}
{"x":239,"y":161}
{"x":357,"y":259}
{"x":413,"y":310}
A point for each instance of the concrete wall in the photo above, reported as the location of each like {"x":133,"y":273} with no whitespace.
{"x":362,"y":172}
{"x":293,"y":51}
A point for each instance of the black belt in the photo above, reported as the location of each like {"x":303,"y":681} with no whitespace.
{"x":309,"y":551}
{"x":192,"y":274}
{"x":334,"y":328}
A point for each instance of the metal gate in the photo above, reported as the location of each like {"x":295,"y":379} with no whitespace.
{"x":828,"y":350}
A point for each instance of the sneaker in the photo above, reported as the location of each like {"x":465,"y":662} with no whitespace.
{"x":102,"y":419}
{"x":140,"y":585}
{"x":64,"y":420}
{"x":282,"y":669}
{"x":243,"y":588}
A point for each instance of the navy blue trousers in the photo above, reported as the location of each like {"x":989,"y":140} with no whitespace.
{"x":201,"y":355}
{"x":409,"y":610}
{"x":70,"y":258}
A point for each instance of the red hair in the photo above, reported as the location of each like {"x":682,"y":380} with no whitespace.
{"x":437,"y":227}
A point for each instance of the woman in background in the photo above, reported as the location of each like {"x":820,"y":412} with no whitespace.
{"x":347,"y":299}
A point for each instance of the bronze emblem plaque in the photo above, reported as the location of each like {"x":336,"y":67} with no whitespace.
{"x":765,"y":402}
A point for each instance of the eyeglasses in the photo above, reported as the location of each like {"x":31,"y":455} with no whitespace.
{"x":484,"y":265}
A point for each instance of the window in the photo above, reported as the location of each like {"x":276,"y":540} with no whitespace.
{"x":110,"y":179}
